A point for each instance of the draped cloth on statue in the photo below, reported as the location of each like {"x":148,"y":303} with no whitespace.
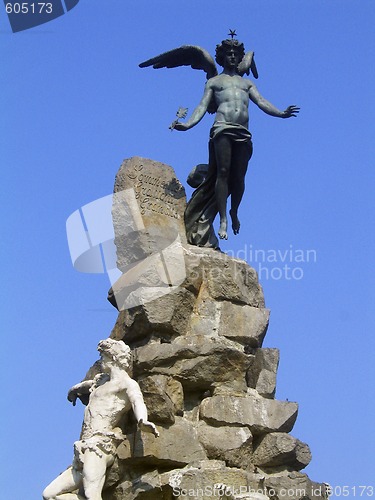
{"x":202,"y":208}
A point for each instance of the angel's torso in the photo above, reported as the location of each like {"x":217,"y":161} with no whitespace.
{"x":232,"y":98}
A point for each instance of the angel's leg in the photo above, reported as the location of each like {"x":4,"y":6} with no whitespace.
{"x":241,"y":155}
{"x":223,"y":154}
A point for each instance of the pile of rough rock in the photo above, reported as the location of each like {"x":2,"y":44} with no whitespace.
{"x":196,"y":336}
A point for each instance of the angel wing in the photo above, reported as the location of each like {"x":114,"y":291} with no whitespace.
{"x":247,"y":64}
{"x":186,"y":55}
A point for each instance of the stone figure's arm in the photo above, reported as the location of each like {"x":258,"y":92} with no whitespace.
{"x":199,"y":111}
{"x":268,"y":107}
{"x":81,"y":390}
{"x":139,"y":408}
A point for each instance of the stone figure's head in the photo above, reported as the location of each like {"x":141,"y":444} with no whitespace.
{"x":115,"y":351}
{"x":229,"y":52}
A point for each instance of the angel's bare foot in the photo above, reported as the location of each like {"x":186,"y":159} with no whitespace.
{"x":223,"y":230}
{"x":235,"y":222}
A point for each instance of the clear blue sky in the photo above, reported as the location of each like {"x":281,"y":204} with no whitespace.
{"x":74,"y":104}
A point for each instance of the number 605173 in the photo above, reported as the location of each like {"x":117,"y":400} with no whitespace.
{"x":29,"y":8}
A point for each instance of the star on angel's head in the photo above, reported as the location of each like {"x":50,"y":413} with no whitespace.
{"x":232,"y":33}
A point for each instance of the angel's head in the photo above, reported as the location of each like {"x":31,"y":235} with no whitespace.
{"x":229,"y":52}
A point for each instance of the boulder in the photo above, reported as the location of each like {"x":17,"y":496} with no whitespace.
{"x":243,"y":323}
{"x":163,"y":396}
{"x":199,"y":362}
{"x":203,"y":480}
{"x":259,"y":414}
{"x":208,"y":479}
{"x":294,"y":486}
{"x":148,"y":208}
{"x":226,"y":278}
{"x":165,"y":317}
{"x":281,"y":449}
{"x":262,"y":373}
{"x":231,"y":444}
{"x":147,"y":486}
{"x":151,"y":277}
{"x":205,"y":316}
{"x":176,"y":445}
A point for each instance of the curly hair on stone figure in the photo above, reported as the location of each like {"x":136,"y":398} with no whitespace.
{"x":224,"y":46}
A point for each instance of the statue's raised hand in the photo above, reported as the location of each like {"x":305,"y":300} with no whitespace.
{"x":179,"y":126}
{"x":73,"y":395}
{"x":291,"y":111}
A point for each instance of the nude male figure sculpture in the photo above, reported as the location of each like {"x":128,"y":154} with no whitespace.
{"x":230,"y":148}
{"x":229,"y":134}
{"x":112,"y":394}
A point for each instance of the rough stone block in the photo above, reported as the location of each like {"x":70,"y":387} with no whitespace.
{"x":147,"y":486}
{"x":168,"y":315}
{"x":148,"y":207}
{"x":198,"y":362}
{"x":176,"y":445}
{"x":294,"y":486}
{"x":258,"y":413}
{"x":278,"y":448}
{"x":150,"y":278}
{"x":232,"y":444}
{"x":163,"y":396}
{"x":244,"y":323}
{"x":227,"y":278}
{"x":233,"y":280}
{"x":205,"y":480}
{"x":205,"y":318}
{"x":202,"y":480}
{"x":262,"y":373}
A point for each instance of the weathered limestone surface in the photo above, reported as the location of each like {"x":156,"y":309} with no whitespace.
{"x":205,"y":480}
{"x":278,"y":448}
{"x":262,"y":373}
{"x":198,"y":362}
{"x":148,"y":207}
{"x":163,"y":396}
{"x":295,"y":486}
{"x":231,"y":444}
{"x":259,"y":414}
{"x":202,"y":479}
{"x":177,"y":445}
{"x":251,"y":323}
{"x":195,"y":320}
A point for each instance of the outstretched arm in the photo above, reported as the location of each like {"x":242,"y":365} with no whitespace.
{"x":80,"y":390}
{"x":269,"y":108}
{"x":139,"y":408}
{"x":199,"y":111}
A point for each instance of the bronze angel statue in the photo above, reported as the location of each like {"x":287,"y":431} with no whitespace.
{"x":230,"y":147}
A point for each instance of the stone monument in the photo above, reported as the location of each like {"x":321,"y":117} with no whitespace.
{"x":186,"y":349}
{"x":206,"y":380}
{"x":195,"y":334}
